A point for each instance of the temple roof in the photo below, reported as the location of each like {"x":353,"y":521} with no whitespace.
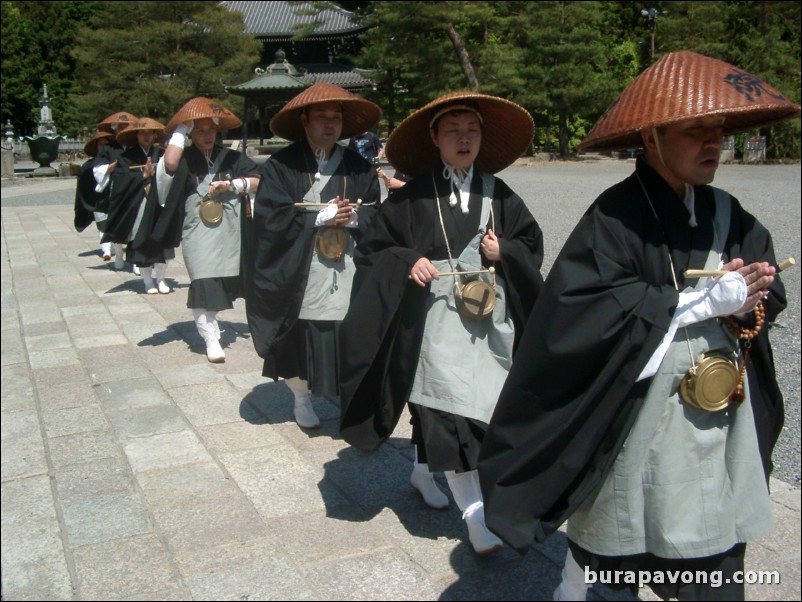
{"x":280,"y":77}
{"x":274,"y":21}
{"x":334,"y":73}
{"x":268,"y":81}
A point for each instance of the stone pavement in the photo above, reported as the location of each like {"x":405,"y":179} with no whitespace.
{"x":133,"y":469}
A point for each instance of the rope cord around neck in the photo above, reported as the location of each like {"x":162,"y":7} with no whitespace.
{"x":445,"y":236}
{"x":670,"y":262}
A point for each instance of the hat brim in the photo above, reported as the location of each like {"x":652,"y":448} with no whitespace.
{"x":507,"y":132}
{"x":121,"y":118}
{"x":359,"y":114}
{"x":90,"y":148}
{"x":128,"y":136}
{"x":683,"y":86}
{"x":203,"y":108}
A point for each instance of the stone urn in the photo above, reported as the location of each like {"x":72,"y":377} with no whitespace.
{"x":44,"y":150}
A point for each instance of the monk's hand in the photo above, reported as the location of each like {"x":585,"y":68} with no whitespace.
{"x":490,"y":246}
{"x":758,"y":277}
{"x":423,"y":272}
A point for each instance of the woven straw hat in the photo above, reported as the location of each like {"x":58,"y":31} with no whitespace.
{"x":359,"y":114}
{"x":204,"y":108}
{"x":116,"y":122}
{"x":128,"y":135}
{"x":507,"y":130}
{"x":682,"y":86}
{"x":90,"y":148}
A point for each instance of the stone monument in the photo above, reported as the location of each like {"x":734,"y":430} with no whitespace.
{"x":44,"y":147}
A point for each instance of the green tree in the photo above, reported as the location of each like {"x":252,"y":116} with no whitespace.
{"x":149,"y":62}
{"x":420,"y":50}
{"x":767,"y":44}
{"x":554,"y":58}
{"x":18,"y":68}
{"x":567,"y":66}
{"x":762,"y":38}
{"x":36,"y":50}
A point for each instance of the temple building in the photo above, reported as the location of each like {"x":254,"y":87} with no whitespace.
{"x":288,"y":63}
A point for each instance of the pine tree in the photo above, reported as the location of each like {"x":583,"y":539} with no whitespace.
{"x":149,"y":62}
{"x":37,"y":42}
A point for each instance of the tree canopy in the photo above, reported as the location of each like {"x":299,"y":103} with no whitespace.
{"x":36,"y":44}
{"x":564,"y":61}
{"x":567,"y":61}
{"x":149,"y":62}
{"x":98,"y":58}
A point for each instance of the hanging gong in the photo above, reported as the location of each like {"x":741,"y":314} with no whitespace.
{"x":709,"y":384}
{"x":331,"y":242}
{"x":476,"y":299}
{"x":211,"y":212}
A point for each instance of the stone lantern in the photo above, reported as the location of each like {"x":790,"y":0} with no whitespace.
{"x":44,"y":147}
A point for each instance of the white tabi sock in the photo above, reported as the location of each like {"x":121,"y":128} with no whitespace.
{"x":572,"y":586}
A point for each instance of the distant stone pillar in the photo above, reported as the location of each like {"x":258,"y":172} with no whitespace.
{"x":727,"y":150}
{"x":8,"y":151}
{"x":8,"y":163}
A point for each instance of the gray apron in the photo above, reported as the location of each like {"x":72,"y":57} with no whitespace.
{"x":463,"y":363}
{"x":687,"y":483}
{"x":328,"y":287}
{"x":212,"y":251}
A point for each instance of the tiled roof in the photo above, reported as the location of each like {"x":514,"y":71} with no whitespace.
{"x":344,"y":79}
{"x":270,"y":82}
{"x":267,"y":83}
{"x":274,"y":20}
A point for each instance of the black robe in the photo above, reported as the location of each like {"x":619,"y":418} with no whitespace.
{"x":87,"y":199}
{"x":283,"y":235}
{"x":383,"y":329}
{"x":571,"y":396}
{"x":126,"y":190}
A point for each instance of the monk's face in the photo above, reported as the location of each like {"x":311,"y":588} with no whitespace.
{"x":458,"y":137}
{"x":686,"y":152}
{"x":323,"y":124}
{"x":203,"y":134}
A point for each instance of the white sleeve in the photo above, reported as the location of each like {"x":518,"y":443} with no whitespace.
{"x":325,"y":214}
{"x":721,"y":297}
{"x":101,"y":176}
{"x":164,"y":181}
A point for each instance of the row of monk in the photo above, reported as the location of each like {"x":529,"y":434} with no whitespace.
{"x":621,"y":395}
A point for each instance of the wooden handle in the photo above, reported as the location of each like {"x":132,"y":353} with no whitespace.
{"x":357,"y":204}
{"x":703,"y":273}
{"x":490,"y":270}
{"x":783,"y":265}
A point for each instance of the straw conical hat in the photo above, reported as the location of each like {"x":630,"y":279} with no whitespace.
{"x":359,"y":114}
{"x":90,"y":148}
{"x":204,"y":108}
{"x":116,"y":122}
{"x":686,"y":85}
{"x":507,"y":130}
{"x":128,"y":135}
